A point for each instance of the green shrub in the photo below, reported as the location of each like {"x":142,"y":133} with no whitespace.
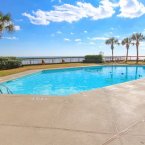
{"x":93,"y":58}
{"x":9,"y":62}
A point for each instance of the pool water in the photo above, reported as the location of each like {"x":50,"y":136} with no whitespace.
{"x":63,"y":82}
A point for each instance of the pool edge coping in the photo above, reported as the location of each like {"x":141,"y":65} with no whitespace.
{"x":29,"y":72}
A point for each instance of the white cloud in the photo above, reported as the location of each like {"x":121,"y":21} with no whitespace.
{"x":17,"y":28}
{"x":10,"y":38}
{"x":77,"y":40}
{"x":59,"y":32}
{"x":71,"y":13}
{"x":131,"y":8}
{"x":98,"y":38}
{"x":85,"y":31}
{"x":66,"y":39}
{"x":58,"y":1}
{"x":142,"y":45}
{"x":72,"y":33}
{"x":92,"y":43}
{"x":39,"y":18}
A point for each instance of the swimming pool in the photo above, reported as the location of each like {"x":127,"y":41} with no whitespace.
{"x":63,"y":82}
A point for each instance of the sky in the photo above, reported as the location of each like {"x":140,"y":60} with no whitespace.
{"x":71,"y":27}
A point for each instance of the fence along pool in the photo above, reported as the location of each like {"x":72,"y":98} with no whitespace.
{"x":72,"y":59}
{"x":51,"y":60}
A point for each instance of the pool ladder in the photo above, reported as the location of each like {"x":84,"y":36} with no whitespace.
{"x":7,"y":89}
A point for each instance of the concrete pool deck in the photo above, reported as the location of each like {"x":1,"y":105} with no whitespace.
{"x":113,"y":115}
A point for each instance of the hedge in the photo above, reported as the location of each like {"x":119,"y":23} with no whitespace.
{"x":93,"y":58}
{"x":9,"y":63}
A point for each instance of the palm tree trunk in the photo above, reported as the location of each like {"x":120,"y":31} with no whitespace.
{"x":112,"y":55}
{"x":127,"y":55}
{"x":137,"y":53}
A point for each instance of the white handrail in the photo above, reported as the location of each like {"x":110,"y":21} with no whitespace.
{"x":8,"y":90}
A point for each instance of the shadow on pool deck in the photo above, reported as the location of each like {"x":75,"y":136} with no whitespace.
{"x":109,"y":116}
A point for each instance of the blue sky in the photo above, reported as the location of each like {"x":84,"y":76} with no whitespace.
{"x":72,"y":28}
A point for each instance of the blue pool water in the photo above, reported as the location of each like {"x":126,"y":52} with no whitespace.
{"x":63,"y":82}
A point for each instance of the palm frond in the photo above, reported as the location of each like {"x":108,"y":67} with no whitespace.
{"x":7,"y":18}
{"x":108,"y":42}
{"x":6,"y":23}
{"x":138,"y":37}
{"x":10,"y":28}
{"x":127,"y":40}
{"x":111,"y":40}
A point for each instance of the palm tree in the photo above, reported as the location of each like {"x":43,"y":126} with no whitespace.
{"x":138,"y":37}
{"x":127,"y":42}
{"x":112,"y":41}
{"x":5,"y":24}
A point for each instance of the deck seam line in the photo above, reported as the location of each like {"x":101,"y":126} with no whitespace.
{"x":121,"y":133}
{"x":115,"y":124}
{"x":53,"y":128}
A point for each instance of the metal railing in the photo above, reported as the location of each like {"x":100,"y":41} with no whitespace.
{"x":71,"y":59}
{"x":51,"y":60}
{"x":122,"y":58}
{"x":7,"y":90}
